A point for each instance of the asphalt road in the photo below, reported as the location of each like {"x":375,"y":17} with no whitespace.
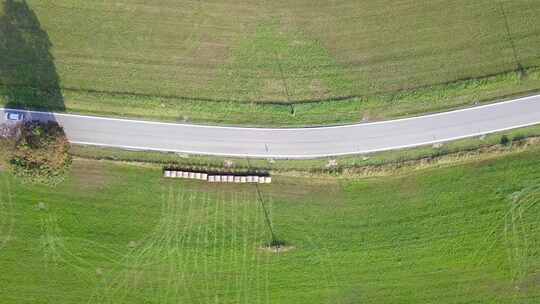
{"x":296,"y":142}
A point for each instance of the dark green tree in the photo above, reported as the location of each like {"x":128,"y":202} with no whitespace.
{"x":41,"y":152}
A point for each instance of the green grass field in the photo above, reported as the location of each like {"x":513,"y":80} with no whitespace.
{"x":117,"y":233}
{"x":266,"y":62}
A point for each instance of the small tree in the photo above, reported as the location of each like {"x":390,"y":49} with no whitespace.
{"x":41,"y":153}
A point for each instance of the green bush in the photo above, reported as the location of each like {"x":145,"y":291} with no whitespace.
{"x":505,"y":141}
{"x":41,"y":153}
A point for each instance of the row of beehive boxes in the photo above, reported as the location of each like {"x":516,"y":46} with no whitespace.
{"x":218,"y":178}
{"x":184,"y":174}
{"x":239,"y":179}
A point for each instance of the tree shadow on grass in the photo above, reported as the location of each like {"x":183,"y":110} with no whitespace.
{"x":28,"y":77}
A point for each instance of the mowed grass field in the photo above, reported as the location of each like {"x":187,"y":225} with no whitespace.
{"x":117,"y":233}
{"x":266,"y":62}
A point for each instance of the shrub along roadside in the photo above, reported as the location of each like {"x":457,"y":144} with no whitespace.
{"x":40,"y":152}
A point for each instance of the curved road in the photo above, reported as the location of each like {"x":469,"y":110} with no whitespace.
{"x":296,"y":142}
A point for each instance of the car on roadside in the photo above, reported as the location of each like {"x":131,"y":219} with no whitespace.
{"x":14,"y":116}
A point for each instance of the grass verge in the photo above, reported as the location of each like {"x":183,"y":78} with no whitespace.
{"x":330,"y":112}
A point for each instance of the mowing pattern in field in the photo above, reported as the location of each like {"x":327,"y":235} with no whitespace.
{"x":202,"y":251}
{"x":523,"y":250}
{"x":394,"y":45}
{"x":267,"y":50}
{"x":121,"y":234}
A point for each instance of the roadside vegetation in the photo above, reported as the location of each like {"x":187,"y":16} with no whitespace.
{"x":119,"y":233}
{"x":37,"y":152}
{"x":273,"y":63}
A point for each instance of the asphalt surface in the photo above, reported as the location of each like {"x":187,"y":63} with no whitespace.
{"x":295,"y":142}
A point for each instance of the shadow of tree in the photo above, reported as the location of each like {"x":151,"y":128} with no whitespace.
{"x":28,"y":76}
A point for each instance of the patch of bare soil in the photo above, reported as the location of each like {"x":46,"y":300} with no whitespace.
{"x":312,"y":189}
{"x":88,"y":175}
{"x":274,"y":89}
{"x":277,"y":249}
{"x":530,"y":283}
{"x":319,"y":90}
{"x":3,"y":157}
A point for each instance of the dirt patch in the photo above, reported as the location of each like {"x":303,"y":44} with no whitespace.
{"x":302,"y":190}
{"x":88,"y":175}
{"x":530,"y":283}
{"x":275,"y":89}
{"x":4,"y":153}
{"x":277,"y":249}
{"x":318,"y":89}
